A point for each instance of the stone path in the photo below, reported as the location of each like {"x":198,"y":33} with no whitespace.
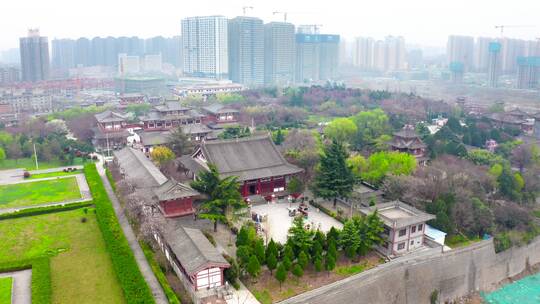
{"x":145,"y":268}
{"x":21,"y":292}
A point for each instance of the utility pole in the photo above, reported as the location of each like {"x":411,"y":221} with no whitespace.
{"x":35,"y":157}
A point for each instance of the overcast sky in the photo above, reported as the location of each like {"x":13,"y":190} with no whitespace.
{"x":425,"y":22}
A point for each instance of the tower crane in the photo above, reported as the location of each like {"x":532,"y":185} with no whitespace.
{"x":315,"y":27}
{"x":283,"y":13}
{"x":245,"y":8}
{"x":502,"y":27}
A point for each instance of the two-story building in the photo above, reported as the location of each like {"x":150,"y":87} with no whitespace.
{"x":170,"y":115}
{"x":110,"y":133}
{"x":408,"y":141}
{"x":219,"y":114}
{"x":404,"y":227}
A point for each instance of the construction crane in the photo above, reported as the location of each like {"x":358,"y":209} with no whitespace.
{"x":245,"y":8}
{"x":283,"y":13}
{"x":502,"y":27}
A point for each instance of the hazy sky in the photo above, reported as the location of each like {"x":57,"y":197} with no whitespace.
{"x":426,"y":22}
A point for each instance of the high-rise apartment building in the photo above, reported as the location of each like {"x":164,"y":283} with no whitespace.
{"x":481,"y":54}
{"x":63,"y":54}
{"x":459,"y":50}
{"x":307,"y":57}
{"x":246,"y":51}
{"x":128,"y":65}
{"x":494,"y":64}
{"x":363,"y":53}
{"x":395,"y":53}
{"x":34,"y":57}
{"x":328,"y":56}
{"x":528,"y":69}
{"x":279,"y":53}
{"x":205,"y":46}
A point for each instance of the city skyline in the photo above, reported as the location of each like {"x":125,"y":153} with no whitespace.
{"x":373,"y":19}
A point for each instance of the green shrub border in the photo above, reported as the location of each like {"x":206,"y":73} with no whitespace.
{"x":134,"y":286}
{"x":111,"y":179}
{"x":44,"y":210}
{"x":41,"y":277}
{"x":169,"y":292}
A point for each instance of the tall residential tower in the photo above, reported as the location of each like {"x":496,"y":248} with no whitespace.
{"x":279,"y":51}
{"x":246,"y":51}
{"x":34,"y":57}
{"x":205,"y":46}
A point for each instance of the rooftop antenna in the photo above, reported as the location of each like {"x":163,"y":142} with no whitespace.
{"x":245,"y":8}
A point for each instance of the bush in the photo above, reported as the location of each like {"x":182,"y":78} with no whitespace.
{"x":135,"y":288}
{"x":43,"y":210}
{"x":26,"y":174}
{"x":231,"y":273}
{"x":83,"y":220}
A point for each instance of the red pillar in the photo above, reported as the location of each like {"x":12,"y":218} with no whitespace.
{"x":259,"y":186}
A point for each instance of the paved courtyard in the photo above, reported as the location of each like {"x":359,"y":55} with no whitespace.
{"x":279,"y":221}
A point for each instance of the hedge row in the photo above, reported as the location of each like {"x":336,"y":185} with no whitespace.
{"x":169,"y":292}
{"x":131,"y":280}
{"x":44,"y":210}
{"x":41,"y":277}
{"x":111,"y":179}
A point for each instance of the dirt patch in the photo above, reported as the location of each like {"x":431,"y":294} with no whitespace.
{"x":268,"y":289}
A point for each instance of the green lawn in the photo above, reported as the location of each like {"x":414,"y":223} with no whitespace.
{"x":29,"y":164}
{"x":81,"y":268}
{"x":39,"y":192}
{"x":54,"y":174}
{"x":5,"y":290}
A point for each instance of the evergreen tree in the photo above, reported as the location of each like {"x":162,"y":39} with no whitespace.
{"x":303,"y":259}
{"x":253,"y":267}
{"x":332,"y":235}
{"x":258,"y":250}
{"x":349,"y":238}
{"x":332,"y":250}
{"x":279,"y":137}
{"x":299,"y":237}
{"x":334,"y":178}
{"x":243,"y":253}
{"x":222,"y":195}
{"x":242,"y":238}
{"x":288,"y":252}
{"x":287,"y":263}
{"x":271,"y":249}
{"x":281,"y":274}
{"x":271,"y":262}
{"x":318,"y":264}
{"x":329,"y":263}
{"x":298,"y":271}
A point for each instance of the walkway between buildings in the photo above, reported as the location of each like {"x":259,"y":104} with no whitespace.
{"x":145,"y":268}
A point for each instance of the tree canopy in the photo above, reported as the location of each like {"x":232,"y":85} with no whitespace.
{"x":341,"y":129}
{"x":161,"y":155}
{"x":334,"y":177}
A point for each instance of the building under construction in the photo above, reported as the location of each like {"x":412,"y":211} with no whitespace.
{"x":528,"y":69}
{"x":494,"y":64}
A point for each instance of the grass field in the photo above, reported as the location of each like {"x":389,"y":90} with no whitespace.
{"x":39,"y":192}
{"x":81,"y":268}
{"x":29,"y":164}
{"x":54,"y":174}
{"x":5,"y":290}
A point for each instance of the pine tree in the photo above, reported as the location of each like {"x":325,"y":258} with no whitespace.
{"x":259,"y":251}
{"x":242,"y":238}
{"x":297,"y":270}
{"x":288,"y":252}
{"x":271,"y":262}
{"x":334,"y":178}
{"x":318,"y":264}
{"x":253,"y":267}
{"x":281,"y":274}
{"x":271,"y":248}
{"x":299,"y":237}
{"x":329,"y":263}
{"x":287,"y":263}
{"x":349,"y":238}
{"x":303,"y":259}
